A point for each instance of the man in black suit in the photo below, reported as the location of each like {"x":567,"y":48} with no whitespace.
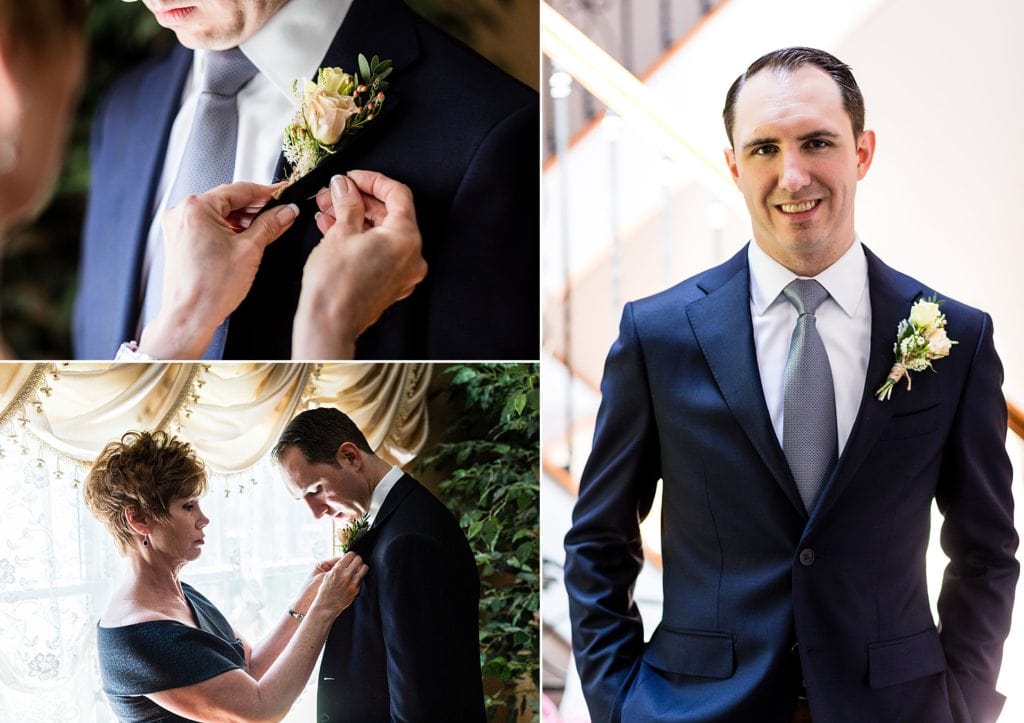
{"x":408,"y":648}
{"x":458,"y":132}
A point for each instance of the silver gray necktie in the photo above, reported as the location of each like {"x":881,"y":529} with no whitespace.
{"x":809,"y":411}
{"x":208,"y":161}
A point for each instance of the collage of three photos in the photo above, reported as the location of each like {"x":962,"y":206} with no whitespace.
{"x":508,"y":360}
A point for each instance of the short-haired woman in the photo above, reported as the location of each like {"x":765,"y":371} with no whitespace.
{"x":166,"y":653}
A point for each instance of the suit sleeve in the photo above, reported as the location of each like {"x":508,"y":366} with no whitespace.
{"x":978,"y":535}
{"x":489,"y":254}
{"x":604,"y":551}
{"x":423,"y":602}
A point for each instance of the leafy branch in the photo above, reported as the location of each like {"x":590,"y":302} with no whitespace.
{"x":492,"y":486}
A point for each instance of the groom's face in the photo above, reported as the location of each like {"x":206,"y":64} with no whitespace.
{"x":797,"y":163}
{"x":213,"y":24}
{"x":337,"y":489}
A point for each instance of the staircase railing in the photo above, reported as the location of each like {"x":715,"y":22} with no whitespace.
{"x":1016,"y":420}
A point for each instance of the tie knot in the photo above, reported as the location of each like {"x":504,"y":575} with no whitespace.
{"x":227,"y":71}
{"x":805,"y":294}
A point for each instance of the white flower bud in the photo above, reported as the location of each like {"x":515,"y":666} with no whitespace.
{"x":924,"y":313}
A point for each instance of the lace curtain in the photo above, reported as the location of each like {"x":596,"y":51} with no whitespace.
{"x":58,"y":565}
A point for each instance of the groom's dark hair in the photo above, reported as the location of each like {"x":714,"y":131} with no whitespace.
{"x":789,"y":60}
{"x":318,"y":433}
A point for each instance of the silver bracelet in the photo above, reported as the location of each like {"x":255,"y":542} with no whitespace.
{"x":297,"y":616}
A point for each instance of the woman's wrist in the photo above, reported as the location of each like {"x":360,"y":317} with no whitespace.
{"x":324,"y":605}
{"x":174,"y":334}
{"x":320,"y":332}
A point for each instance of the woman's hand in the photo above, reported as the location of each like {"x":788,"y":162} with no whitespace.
{"x":340,"y":584}
{"x":213,"y":245}
{"x":309,"y":588}
{"x":369,"y":258}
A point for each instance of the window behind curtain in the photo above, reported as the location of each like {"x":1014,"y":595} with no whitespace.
{"x":58,"y":567}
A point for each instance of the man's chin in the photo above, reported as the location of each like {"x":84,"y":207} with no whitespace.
{"x":198,"y":41}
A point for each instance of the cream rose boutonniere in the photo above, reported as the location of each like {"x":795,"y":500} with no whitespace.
{"x":350,"y":533}
{"x":331,"y":111}
{"x":920,"y":338}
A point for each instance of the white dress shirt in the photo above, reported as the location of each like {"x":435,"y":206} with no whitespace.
{"x":843,"y":320}
{"x":380,"y":492}
{"x":289,"y":46}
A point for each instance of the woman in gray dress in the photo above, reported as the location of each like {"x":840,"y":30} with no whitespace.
{"x":166,"y":653}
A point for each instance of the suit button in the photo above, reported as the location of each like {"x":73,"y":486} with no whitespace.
{"x":807,"y":557}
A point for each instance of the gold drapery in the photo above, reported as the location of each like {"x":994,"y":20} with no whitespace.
{"x":232,"y":413}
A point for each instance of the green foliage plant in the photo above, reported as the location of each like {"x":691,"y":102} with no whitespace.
{"x":491,"y":484}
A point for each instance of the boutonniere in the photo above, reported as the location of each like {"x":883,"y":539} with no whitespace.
{"x":920,"y":338}
{"x":332,"y":111}
{"x":350,"y":533}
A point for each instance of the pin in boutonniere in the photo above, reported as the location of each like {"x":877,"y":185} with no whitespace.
{"x":350,"y":533}
{"x":333,"y":110}
{"x":920,"y":338}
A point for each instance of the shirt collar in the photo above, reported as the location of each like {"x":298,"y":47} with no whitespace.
{"x":380,"y":492}
{"x":845,"y":280}
{"x":292,"y":43}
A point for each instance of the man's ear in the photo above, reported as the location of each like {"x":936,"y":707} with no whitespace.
{"x":349,"y":453}
{"x":730,"y":160}
{"x":865,"y":152}
{"x":136,"y":520}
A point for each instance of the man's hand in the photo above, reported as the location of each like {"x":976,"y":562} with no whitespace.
{"x":370,"y":257}
{"x":213,"y":244}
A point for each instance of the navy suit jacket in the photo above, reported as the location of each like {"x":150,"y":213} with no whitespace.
{"x":408,"y":648}
{"x":747,"y":574}
{"x":459,"y":132}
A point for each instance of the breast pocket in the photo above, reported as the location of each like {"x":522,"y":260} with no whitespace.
{"x":914,"y":423}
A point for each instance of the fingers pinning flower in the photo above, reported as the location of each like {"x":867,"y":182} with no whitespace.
{"x":920,"y":339}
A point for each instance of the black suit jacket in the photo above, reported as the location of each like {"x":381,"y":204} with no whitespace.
{"x":408,"y":648}
{"x":459,"y":132}
{"x":751,"y":582}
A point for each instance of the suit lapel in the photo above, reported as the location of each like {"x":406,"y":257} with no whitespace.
{"x":146,"y":132}
{"x":892,"y":294}
{"x":399,"y":492}
{"x":721,"y":323}
{"x":371,"y":27}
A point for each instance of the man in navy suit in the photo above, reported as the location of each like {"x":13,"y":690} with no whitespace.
{"x":784,"y":603}
{"x":456,"y":130}
{"x":408,"y":649}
